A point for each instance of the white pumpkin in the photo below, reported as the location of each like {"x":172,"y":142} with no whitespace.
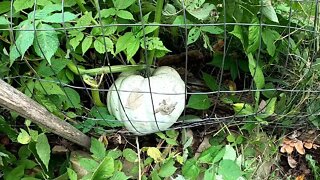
{"x":136,"y":112}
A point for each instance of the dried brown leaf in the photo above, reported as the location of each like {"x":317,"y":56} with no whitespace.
{"x":299,"y":147}
{"x":289,"y":149}
{"x":292,"y":163}
{"x":308,"y":145}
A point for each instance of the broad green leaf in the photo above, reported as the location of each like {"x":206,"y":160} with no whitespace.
{"x":208,"y":155}
{"x":4,"y":21}
{"x":114,"y":153}
{"x":72,"y":98}
{"x":43,"y":149}
{"x":44,"y":2}
{"x":4,"y":6}
{"x":155,"y":154}
{"x":243,"y":109}
{"x":48,"y":87}
{"x":212,"y":29}
{"x":130,"y":155}
{"x":104,"y":170}
{"x":120,"y":4}
{"x":60,"y":18}
{"x":46,"y":42}
{"x":72,"y":174}
{"x":190,"y":169}
{"x":105,"y":13}
{"x":23,"y":137}
{"x":97,"y":149}
{"x":56,"y":66}
{"x":210,"y":81}
{"x":103,"y":45}
{"x":209,"y":174}
{"x":5,"y":127}
{"x":25,"y":37}
{"x":43,"y":13}
{"x":256,"y":72}
{"x":237,"y":32}
{"x":203,"y":12}
{"x":123,"y":41}
{"x":230,"y":153}
{"x":270,"y":107}
{"x":22,"y":4}
{"x":86,"y":44}
{"x":88,"y":164}
{"x":147,"y":30}
{"x":254,"y":36}
{"x":84,"y":20}
{"x":125,"y":14}
{"x":132,"y":47}
{"x":269,"y":38}
{"x":167,"y":169}
{"x":268,"y":11}
{"x":74,"y":42}
{"x":199,"y":102}
{"x":28,"y":164}
{"x":24,"y":152}
{"x":103,"y":118}
{"x":119,"y":176}
{"x":229,"y":170}
{"x":193,"y":35}
{"x":16,"y":173}
{"x":153,"y":43}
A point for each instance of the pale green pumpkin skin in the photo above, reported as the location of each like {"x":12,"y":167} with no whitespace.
{"x":168,"y":94}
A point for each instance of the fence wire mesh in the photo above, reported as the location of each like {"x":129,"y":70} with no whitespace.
{"x":267,"y":67}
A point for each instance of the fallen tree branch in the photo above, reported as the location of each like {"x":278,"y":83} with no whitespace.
{"x":14,"y":100}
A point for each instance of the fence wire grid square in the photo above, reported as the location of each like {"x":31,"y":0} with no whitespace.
{"x":291,"y":74}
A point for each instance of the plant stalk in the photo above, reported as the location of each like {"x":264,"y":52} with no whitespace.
{"x":157,"y":20}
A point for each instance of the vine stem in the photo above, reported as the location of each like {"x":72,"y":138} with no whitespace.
{"x":157,"y":20}
{"x":139,"y":160}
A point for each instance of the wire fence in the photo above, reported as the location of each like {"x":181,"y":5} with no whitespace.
{"x":291,"y":75}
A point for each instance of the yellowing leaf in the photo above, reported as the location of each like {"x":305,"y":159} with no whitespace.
{"x":155,"y":154}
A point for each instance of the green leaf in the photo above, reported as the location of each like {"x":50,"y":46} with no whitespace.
{"x":256,"y":72}
{"x":119,"y":176}
{"x":229,"y":153}
{"x":209,"y":155}
{"x":254,"y":36}
{"x":125,"y":14}
{"x":4,"y":6}
{"x":268,"y":11}
{"x":97,"y":149}
{"x":229,"y":170}
{"x":210,"y":81}
{"x":84,"y":20}
{"x":57,"y":65}
{"x":6,"y":128}
{"x":14,"y":54}
{"x":72,"y":98}
{"x":203,"y":12}
{"x":243,"y":109}
{"x":25,"y":37}
{"x":43,"y":13}
{"x":155,"y":154}
{"x":212,"y":29}
{"x":72,"y":174}
{"x":147,"y":30}
{"x":74,"y":42}
{"x":46,"y":42}
{"x":43,"y":149}
{"x":88,"y":164}
{"x":23,"y":137}
{"x":105,"y":13}
{"x":48,"y":87}
{"x":269,"y":38}
{"x":153,"y":43}
{"x":123,"y":41}
{"x":237,"y":32}
{"x":104,"y":170}
{"x":114,"y":153}
{"x":86,"y":44}
{"x":199,"y":102}
{"x":130,"y":155}
{"x":104,"y":118}
{"x":190,"y":169}
{"x":209,"y":174}
{"x":193,"y":35}
{"x":101,"y":47}
{"x":4,"y":21}
{"x":269,"y":109}
{"x":132,"y":47}
{"x":60,"y":18}
{"x":22,"y":4}
{"x":120,"y":4}
{"x":16,"y":173}
{"x":167,"y":169}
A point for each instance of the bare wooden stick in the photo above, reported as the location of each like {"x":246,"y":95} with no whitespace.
{"x":14,"y":100}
